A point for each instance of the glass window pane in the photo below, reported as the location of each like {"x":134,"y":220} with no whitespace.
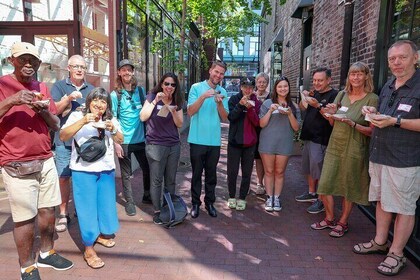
{"x":11,"y":10}
{"x":95,"y":41}
{"x":54,"y":55}
{"x":6,"y":43}
{"x":51,"y":10}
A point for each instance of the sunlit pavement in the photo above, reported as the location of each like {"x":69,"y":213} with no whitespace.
{"x":251,"y":244}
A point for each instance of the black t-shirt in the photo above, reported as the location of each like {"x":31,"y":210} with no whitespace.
{"x":315,"y":127}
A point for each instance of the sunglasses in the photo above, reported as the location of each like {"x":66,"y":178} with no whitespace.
{"x":166,"y":84}
{"x":392,"y":99}
{"x":31,"y":60}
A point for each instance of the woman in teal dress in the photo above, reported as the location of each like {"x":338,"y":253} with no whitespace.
{"x":345,"y":169}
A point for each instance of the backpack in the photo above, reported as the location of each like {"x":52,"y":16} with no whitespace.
{"x":174,"y":210}
{"x":142,"y":100}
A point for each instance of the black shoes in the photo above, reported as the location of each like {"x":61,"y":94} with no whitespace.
{"x":195,"y":211}
{"x":130,"y":209}
{"x":211,"y":210}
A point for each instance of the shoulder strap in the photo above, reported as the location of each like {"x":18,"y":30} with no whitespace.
{"x":141,"y":94}
{"x":340,"y":98}
{"x":119,"y":95}
{"x":171,"y":207}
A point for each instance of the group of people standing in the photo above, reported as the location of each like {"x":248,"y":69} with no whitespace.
{"x":356,"y":146}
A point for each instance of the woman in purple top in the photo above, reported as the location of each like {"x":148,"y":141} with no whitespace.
{"x":163,"y":115}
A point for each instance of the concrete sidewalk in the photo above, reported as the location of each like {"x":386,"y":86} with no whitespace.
{"x":236,"y":245}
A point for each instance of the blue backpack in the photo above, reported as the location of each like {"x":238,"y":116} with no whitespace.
{"x":174,"y":210}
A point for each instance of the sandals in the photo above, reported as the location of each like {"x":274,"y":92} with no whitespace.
{"x":394,"y":269}
{"x":61,"y":225}
{"x":323,"y":224}
{"x":374,"y":248}
{"x":240,"y":205}
{"x":106,"y":242}
{"x":336,"y":232}
{"x":231,"y":203}
{"x":93,"y":261}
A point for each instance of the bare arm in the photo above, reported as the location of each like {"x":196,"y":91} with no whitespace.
{"x":68,"y":132}
{"x":193,"y":108}
{"x":19,"y":98}
{"x":221,"y":109}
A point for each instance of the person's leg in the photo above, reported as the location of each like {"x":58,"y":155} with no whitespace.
{"x":107,"y":209}
{"x":279,"y":171}
{"x":268,"y":162}
{"x":62,"y":161}
{"x":24,"y":236}
{"x":125,"y":167}
{"x":210,"y":173}
{"x":171,"y":168}
{"x":233,"y":159}
{"x":347,"y":207}
{"x":197,"y":158}
{"x":144,"y":165}
{"x":85,"y":192}
{"x":403,"y":227}
{"x":246,"y":167}
{"x":157,"y":156}
{"x":46,"y":220}
{"x":260,"y":171}
{"x":328,"y":201}
{"x":312,"y":183}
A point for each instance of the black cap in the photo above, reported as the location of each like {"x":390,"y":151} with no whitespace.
{"x":124,"y":62}
{"x":247,"y":81}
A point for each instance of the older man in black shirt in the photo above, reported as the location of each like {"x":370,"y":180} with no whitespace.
{"x":316,"y":131}
{"x":395,"y":157}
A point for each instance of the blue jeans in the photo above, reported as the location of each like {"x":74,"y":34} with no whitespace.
{"x":62,"y":160}
{"x":163,"y":164}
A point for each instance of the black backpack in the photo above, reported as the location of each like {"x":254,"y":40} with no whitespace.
{"x":174,"y":210}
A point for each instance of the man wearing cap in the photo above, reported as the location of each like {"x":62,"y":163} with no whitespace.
{"x":207,"y":106}
{"x":244,"y":108}
{"x":28,"y":168}
{"x":127,"y":102}
{"x":68,"y":94}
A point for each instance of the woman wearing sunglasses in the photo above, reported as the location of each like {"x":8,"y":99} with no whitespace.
{"x":163,"y":115}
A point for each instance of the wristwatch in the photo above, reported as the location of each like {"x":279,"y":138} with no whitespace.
{"x":113,"y":132}
{"x":398,"y":123}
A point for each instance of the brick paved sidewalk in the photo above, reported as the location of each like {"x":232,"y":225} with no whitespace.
{"x":236,"y":245}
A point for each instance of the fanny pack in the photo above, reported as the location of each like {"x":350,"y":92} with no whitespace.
{"x":20,"y":169}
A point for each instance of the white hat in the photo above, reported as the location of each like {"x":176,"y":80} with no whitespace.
{"x":20,"y":48}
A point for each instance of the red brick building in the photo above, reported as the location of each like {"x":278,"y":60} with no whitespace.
{"x":304,"y":34}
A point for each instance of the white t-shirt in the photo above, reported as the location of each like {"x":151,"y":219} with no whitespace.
{"x":103,"y":164}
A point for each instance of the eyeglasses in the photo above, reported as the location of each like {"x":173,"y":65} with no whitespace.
{"x":77,"y":67}
{"x":392,"y":99}
{"x":166,"y":84}
{"x":26,"y":59}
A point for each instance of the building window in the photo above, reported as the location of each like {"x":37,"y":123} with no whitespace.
{"x":254,"y":46}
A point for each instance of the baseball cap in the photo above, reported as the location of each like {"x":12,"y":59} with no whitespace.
{"x":247,"y":81}
{"x":124,"y":62}
{"x":20,"y":48}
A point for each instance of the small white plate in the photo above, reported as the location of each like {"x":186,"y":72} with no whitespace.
{"x":99,"y":125}
{"x":282,"y":109}
{"x":376,"y":117}
{"x":40,"y":102}
{"x":339,"y":116}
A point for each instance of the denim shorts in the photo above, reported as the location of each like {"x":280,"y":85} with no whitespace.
{"x":62,"y":160}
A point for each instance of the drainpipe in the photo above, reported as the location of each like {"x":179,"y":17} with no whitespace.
{"x":347,"y":35}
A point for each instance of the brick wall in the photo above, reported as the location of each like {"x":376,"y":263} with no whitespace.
{"x":327,"y":36}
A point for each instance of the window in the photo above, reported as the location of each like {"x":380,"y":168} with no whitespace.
{"x":254,"y":46}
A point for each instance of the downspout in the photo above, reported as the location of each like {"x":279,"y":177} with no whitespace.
{"x":347,"y":36}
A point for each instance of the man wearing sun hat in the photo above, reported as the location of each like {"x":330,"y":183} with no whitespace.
{"x":68,"y":94}
{"x":28,"y":168}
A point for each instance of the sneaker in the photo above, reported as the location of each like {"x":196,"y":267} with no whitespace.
{"x":130,"y":209}
{"x":146,"y":199}
{"x":31,"y":273}
{"x":277,"y":204}
{"x":316,"y":207}
{"x":306,"y":197}
{"x":260,"y":189}
{"x":55,"y":261}
{"x":156,"y":219}
{"x":269,"y":204}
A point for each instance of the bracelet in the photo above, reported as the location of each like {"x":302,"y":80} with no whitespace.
{"x":355,"y":123}
{"x":153,"y":102}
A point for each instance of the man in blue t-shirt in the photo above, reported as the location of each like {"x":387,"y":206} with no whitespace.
{"x":127,"y":102}
{"x":207,"y":106}
{"x":68,"y":94}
